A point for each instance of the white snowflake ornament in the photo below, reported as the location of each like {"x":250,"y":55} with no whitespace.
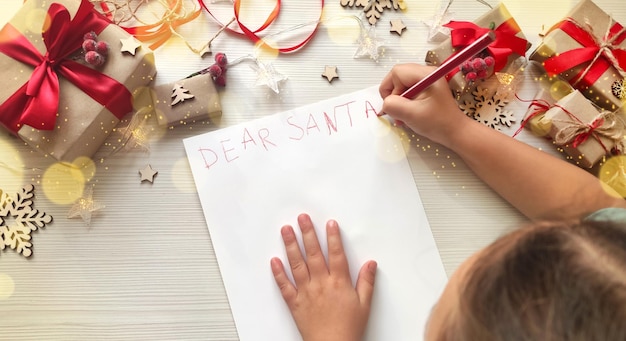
{"x":487,"y":108}
{"x":18,"y":219}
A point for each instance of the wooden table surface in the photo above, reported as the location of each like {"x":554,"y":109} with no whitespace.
{"x":144,"y":269}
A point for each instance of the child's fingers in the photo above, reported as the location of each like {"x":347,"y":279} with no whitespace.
{"x":337,"y":261}
{"x":365,"y":283}
{"x":287,"y":289}
{"x":314,"y":256}
{"x":296,"y":261}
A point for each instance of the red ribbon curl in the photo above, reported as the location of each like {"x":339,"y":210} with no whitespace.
{"x":587,"y":53}
{"x":253,"y":34}
{"x":464,"y":33}
{"x":36,"y":103}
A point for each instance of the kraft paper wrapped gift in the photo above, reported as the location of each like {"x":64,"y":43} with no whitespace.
{"x":533,"y":119}
{"x":188,"y":99}
{"x":51,"y":98}
{"x":510,"y":44}
{"x":586,"y":132}
{"x":588,"y":49}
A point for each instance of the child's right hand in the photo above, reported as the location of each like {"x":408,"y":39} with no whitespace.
{"x":433,"y":114}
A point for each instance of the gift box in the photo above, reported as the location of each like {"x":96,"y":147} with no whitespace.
{"x":188,"y":99}
{"x":52,"y":98}
{"x":533,"y":118}
{"x":585,"y":131}
{"x":588,"y":49}
{"x":510,"y":44}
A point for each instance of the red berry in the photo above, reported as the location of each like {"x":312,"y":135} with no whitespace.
{"x":490,"y":61}
{"x":220,"y":81}
{"x":471,"y":76}
{"x":89,"y":45}
{"x":466,"y":66}
{"x":482,"y":74}
{"x":221,"y":59}
{"x":479,"y":64}
{"x":94,"y":58}
{"x":90,"y":35}
{"x":215,"y":70}
{"x":102,"y":48}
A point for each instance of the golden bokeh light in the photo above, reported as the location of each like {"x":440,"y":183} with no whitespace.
{"x":560,"y":89}
{"x":63,"y":183}
{"x":613,"y":174}
{"x":11,"y":168}
{"x":36,"y":20}
{"x":181,"y":176}
{"x":343,"y":30}
{"x":7,"y":286}
{"x":392,"y":152}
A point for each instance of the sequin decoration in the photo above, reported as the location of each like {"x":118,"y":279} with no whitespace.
{"x":619,"y":89}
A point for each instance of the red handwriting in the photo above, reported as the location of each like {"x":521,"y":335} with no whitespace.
{"x":300,"y":125}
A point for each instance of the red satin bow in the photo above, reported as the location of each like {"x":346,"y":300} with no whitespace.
{"x":36,"y":102}
{"x":464,"y":33}
{"x":590,"y":48}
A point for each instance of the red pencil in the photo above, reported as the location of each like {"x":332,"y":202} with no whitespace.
{"x":449,"y":65}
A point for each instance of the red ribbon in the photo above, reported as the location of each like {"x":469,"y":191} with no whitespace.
{"x":464,"y":33}
{"x":36,"y":102}
{"x":583,"y":136}
{"x":587,"y":53}
{"x":253,"y":34}
{"x":538,"y":107}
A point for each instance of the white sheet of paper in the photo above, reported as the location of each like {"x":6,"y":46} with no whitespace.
{"x":332,"y":159}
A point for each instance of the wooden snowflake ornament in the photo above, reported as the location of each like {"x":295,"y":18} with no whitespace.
{"x":488,"y":108}
{"x":18,"y":219}
{"x":373,"y":9}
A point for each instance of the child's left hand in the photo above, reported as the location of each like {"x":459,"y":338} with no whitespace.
{"x":323,"y":302}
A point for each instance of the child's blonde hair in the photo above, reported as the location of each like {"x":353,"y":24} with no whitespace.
{"x":548,"y":281}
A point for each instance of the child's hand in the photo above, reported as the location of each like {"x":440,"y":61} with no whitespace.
{"x":433,"y":113}
{"x":323,"y":302}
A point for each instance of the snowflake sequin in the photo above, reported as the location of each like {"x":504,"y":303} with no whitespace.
{"x":488,"y":108}
{"x":18,"y":219}
{"x":619,"y":89}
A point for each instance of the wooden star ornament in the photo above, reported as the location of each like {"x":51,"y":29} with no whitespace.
{"x":330,"y":72}
{"x":397,"y":26}
{"x":130,"y":45}
{"x":147,"y":174}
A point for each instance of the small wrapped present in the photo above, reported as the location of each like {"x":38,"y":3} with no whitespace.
{"x":509,"y":45}
{"x":586,"y":132}
{"x":533,"y":119}
{"x":56,"y":96}
{"x":588,"y":49}
{"x":188,"y":99}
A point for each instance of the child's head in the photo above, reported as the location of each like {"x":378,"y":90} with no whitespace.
{"x":549,"y":281}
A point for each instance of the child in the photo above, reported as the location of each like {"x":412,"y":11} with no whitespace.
{"x":563,"y":277}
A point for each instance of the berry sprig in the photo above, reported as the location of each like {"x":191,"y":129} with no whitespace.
{"x":477,"y":68}
{"x":218,"y":69}
{"x":95,"y":51}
